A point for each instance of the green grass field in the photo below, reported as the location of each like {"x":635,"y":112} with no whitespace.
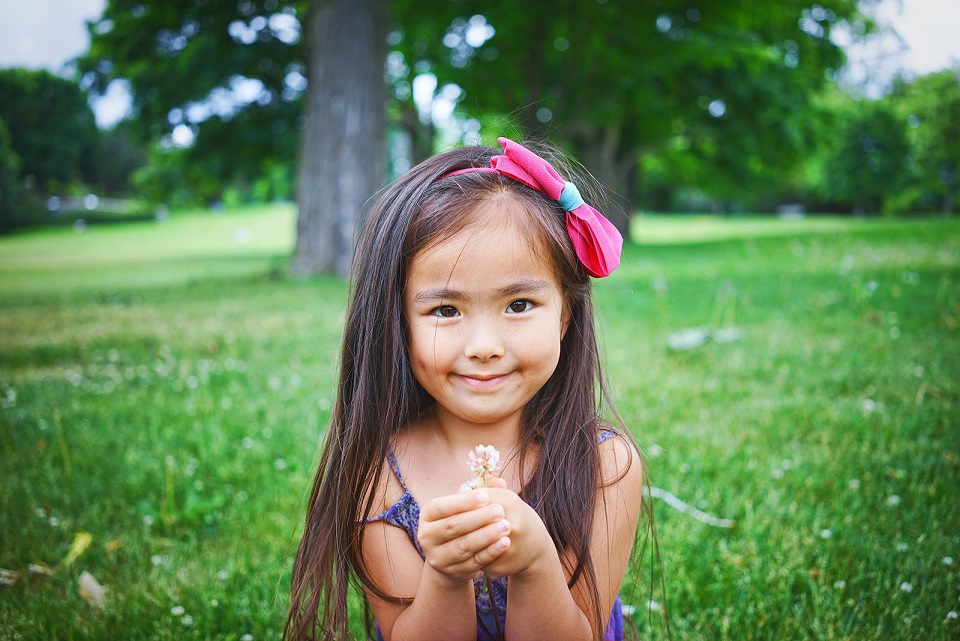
{"x":164,"y":387}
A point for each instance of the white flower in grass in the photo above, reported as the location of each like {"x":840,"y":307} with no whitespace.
{"x":948,"y":560}
{"x":187,"y":620}
{"x":952,"y":614}
{"x":147,"y":520}
{"x":653,"y":606}
{"x":280,"y":464}
{"x":177,"y":610}
{"x":777,"y":473}
{"x":825,"y":533}
{"x":840,"y":584}
{"x":893,"y":500}
{"x":869,"y":406}
{"x":906,"y":587}
{"x":628,"y":610}
{"x":902,"y":547}
{"x":247,"y":637}
{"x":854,"y":484}
{"x":223,"y":575}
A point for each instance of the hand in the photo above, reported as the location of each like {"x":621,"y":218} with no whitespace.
{"x":461,"y":533}
{"x":529,"y":538}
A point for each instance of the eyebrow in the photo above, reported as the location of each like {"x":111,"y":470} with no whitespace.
{"x":522,"y":286}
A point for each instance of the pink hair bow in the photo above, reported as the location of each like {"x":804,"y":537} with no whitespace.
{"x":596,"y":241}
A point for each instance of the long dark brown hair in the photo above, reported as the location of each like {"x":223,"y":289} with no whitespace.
{"x":378,"y":395}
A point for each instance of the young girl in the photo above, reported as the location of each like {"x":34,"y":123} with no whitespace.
{"x":471,"y":323}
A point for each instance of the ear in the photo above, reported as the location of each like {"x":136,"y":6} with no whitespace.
{"x":564,"y":320}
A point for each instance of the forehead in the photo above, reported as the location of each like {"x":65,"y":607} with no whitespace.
{"x":499,"y":242}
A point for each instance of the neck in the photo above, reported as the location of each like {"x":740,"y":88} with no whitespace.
{"x":458,"y":434}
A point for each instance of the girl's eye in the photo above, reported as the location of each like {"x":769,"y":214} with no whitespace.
{"x":519,"y":306}
{"x":445,"y":311}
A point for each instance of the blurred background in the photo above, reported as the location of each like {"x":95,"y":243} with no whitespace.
{"x":181,"y":184}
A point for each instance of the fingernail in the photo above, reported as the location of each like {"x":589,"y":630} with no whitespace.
{"x":503,"y":543}
{"x":482,"y":498}
{"x":497,"y":511}
{"x":504,"y":526}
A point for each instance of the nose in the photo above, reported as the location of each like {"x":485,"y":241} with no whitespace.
{"x":482,"y":341}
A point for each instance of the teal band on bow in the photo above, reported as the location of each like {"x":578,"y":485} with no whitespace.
{"x":570,"y":197}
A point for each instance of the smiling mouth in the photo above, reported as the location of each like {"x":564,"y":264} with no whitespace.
{"x":483,"y":381}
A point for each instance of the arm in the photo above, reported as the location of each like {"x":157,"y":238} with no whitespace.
{"x":535,"y":570}
{"x":459,"y":534}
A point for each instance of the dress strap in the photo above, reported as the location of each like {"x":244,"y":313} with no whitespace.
{"x":392,"y":459}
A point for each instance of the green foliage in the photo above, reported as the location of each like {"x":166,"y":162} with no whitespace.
{"x":183,"y":59}
{"x":719,"y":94}
{"x":868,"y":155}
{"x":164,"y":390}
{"x":931,"y":105}
{"x":9,"y":178}
{"x":51,"y":127}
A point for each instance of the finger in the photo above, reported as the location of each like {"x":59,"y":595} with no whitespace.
{"x":435,"y":533}
{"x":468,"y":554}
{"x":492,"y":552}
{"x":496,"y":481}
{"x":445,"y":506}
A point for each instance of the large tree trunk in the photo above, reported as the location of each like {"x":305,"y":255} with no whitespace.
{"x":343,"y":143}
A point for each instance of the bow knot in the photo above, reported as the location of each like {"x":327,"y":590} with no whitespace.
{"x":596,"y":241}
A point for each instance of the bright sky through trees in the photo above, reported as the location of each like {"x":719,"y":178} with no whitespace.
{"x":48,"y":33}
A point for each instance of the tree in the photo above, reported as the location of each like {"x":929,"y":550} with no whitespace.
{"x":867,"y":155}
{"x":727,"y":83}
{"x":219,"y":87}
{"x":51,"y":127}
{"x":9,"y":179}
{"x":932,"y":107}
{"x":343,"y":149}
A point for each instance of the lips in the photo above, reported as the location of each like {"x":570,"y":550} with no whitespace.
{"x":482,"y":381}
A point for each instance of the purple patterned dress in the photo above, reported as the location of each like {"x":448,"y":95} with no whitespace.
{"x":405,"y":514}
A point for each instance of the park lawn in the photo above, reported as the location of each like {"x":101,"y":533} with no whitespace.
{"x":164,"y":387}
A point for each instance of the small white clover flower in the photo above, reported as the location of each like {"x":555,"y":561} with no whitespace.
{"x":177,"y":610}
{"x":906,"y":587}
{"x":483,"y":461}
{"x":840,"y":584}
{"x":952,"y":614}
{"x":893,"y":499}
{"x":948,"y":560}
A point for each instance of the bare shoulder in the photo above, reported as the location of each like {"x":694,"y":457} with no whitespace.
{"x":620,"y":461}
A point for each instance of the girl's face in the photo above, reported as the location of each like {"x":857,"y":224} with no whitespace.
{"x":485,"y":316}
